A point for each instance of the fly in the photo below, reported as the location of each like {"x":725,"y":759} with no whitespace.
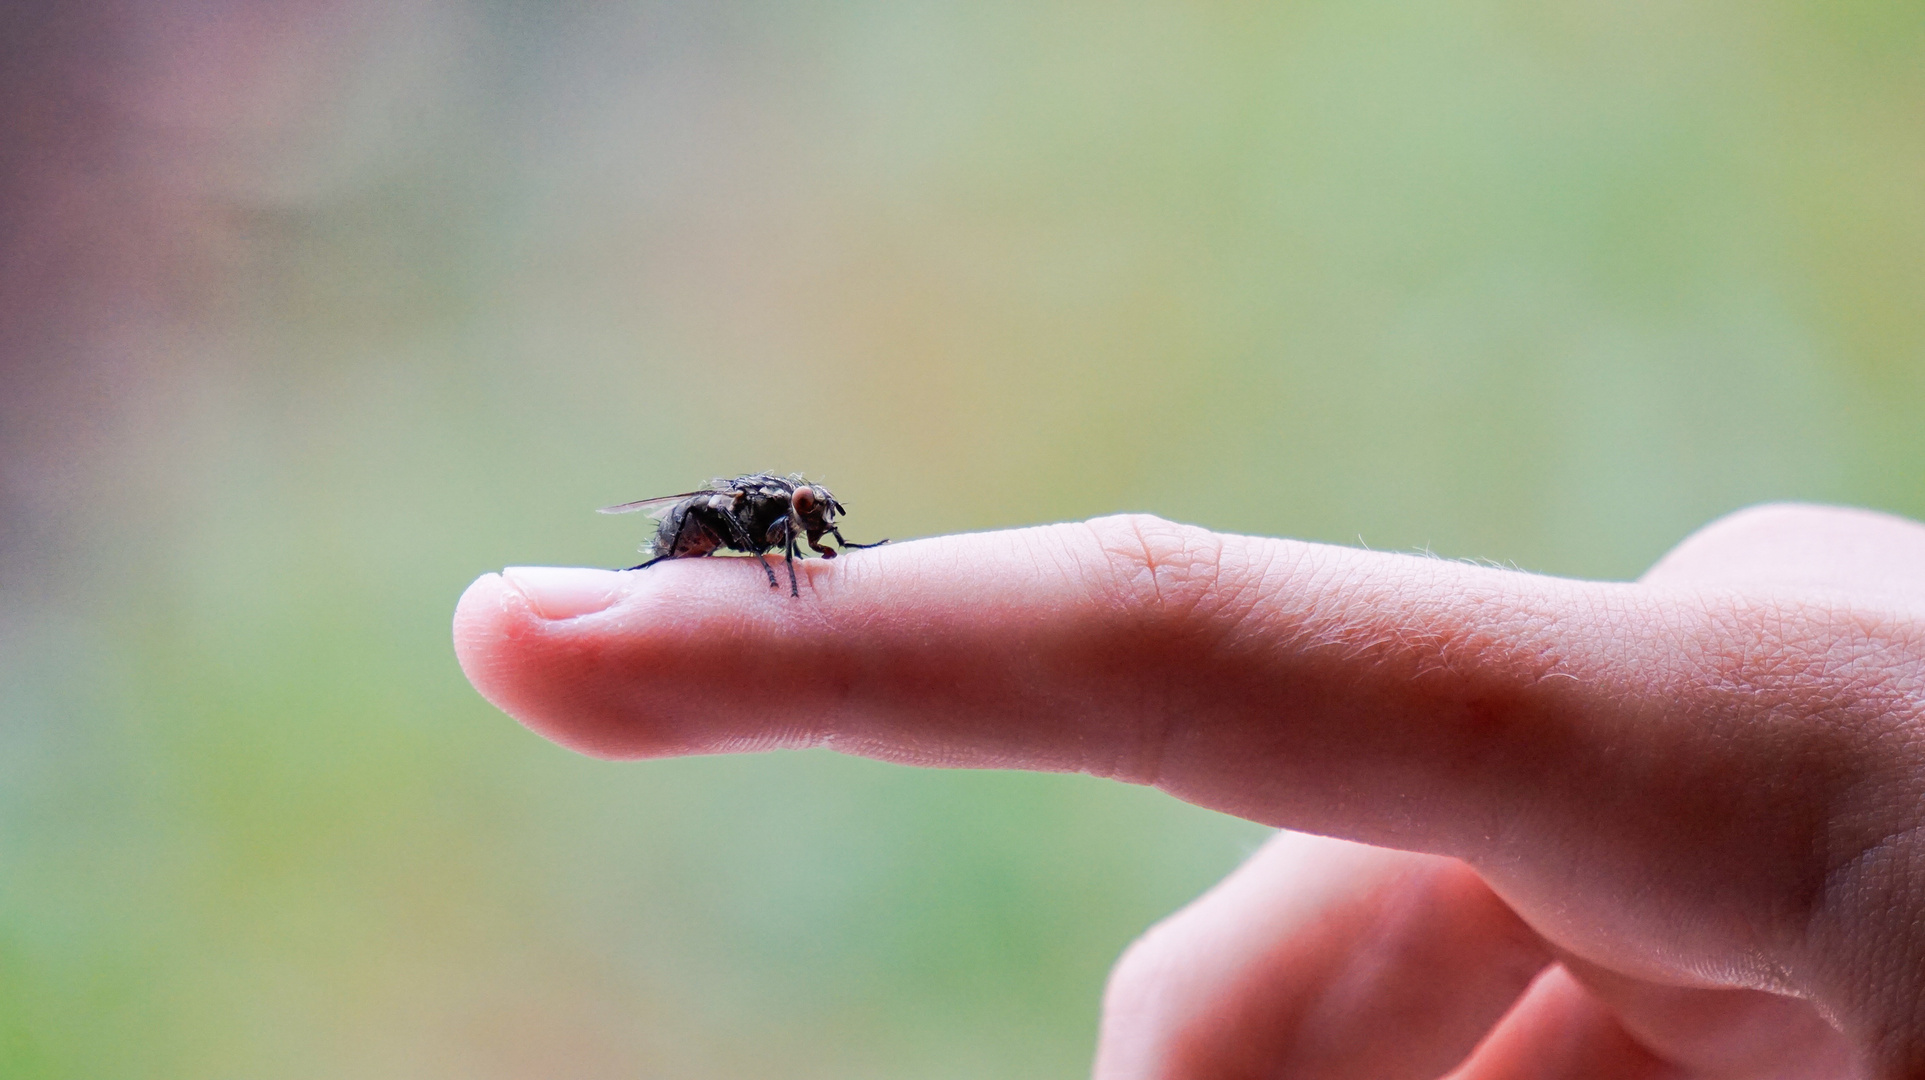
{"x":755,"y":514}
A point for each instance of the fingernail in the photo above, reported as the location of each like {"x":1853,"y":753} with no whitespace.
{"x":563,"y":592}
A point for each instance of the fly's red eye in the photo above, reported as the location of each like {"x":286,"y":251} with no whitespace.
{"x":804,"y":499}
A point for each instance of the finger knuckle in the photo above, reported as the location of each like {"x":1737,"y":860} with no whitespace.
{"x":1150,"y":563}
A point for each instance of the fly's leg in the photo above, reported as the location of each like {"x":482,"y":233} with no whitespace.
{"x":785,"y":529}
{"x":837,"y":533}
{"x":742,"y":538}
{"x":763,"y":558}
{"x":742,"y":535}
{"x":673,"y":543}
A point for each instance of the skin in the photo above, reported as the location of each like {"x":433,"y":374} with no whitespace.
{"x":1540,"y":827}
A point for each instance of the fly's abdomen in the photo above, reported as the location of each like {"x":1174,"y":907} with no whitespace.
{"x":683,"y":535}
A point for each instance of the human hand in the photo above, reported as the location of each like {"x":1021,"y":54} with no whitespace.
{"x":1664,"y":828}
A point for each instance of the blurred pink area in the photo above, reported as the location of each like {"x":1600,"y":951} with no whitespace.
{"x":141,"y":148}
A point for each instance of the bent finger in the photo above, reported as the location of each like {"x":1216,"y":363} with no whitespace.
{"x":1798,"y":545}
{"x":1323,"y":960}
{"x":1559,"y":1031}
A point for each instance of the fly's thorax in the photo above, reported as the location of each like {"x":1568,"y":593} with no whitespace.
{"x":763,"y":512}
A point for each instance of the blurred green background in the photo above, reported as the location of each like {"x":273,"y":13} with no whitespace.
{"x":314,"y":312}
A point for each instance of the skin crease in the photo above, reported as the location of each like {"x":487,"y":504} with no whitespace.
{"x":1657,"y":829}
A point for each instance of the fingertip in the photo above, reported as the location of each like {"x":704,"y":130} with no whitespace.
{"x":550,"y":647}
{"x":483,"y":620}
{"x":514,"y":632}
{"x":477,"y":613}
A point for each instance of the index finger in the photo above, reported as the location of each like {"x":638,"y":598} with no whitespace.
{"x":1327,"y":688}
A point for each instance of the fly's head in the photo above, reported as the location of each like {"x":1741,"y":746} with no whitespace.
{"x":815,"y":509}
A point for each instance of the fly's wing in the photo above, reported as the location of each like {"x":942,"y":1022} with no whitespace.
{"x":656,"y":506}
